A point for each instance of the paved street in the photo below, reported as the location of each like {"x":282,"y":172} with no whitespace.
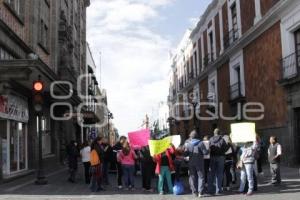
{"x":59,"y":188}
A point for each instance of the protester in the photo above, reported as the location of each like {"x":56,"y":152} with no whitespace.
{"x":274,"y":155}
{"x":116,"y":149}
{"x":218,"y":147}
{"x":178,"y":161}
{"x":85,"y":153}
{"x":95,"y":168}
{"x":127,"y":158}
{"x":107,"y":155}
{"x":100,"y":151}
{"x":206,"y":160}
{"x":228,"y":168}
{"x":246,"y":164}
{"x":73,"y":154}
{"x":147,"y":166}
{"x":195,"y":151}
{"x":164,"y":168}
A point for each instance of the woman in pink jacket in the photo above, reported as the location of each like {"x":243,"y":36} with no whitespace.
{"x":127,"y":158}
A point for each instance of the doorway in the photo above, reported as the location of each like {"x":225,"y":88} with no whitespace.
{"x":297,"y":132}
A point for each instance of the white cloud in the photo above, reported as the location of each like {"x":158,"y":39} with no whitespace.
{"x":134,"y":57}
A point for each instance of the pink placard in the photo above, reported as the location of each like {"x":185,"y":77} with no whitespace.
{"x":139,"y":138}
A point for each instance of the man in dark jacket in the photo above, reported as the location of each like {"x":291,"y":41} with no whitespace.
{"x":73,"y":154}
{"x":195,"y":150}
{"x":218,"y":148}
{"x":118,"y":147}
{"x":107,"y":155}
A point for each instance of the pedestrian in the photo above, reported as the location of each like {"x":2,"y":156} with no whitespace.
{"x":95,"y":169}
{"x":148,"y":167}
{"x":107,"y":153}
{"x":100,"y":151}
{"x":164,"y":168}
{"x":246,"y":165}
{"x":179,"y":159}
{"x":116,"y":149}
{"x":218,"y":147}
{"x":73,"y":154}
{"x":127,"y":158}
{"x":274,"y":155}
{"x":85,"y":153}
{"x":228,"y":168}
{"x":206,"y":160}
{"x":195,"y":151}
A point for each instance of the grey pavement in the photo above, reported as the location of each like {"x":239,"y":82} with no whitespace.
{"x":59,"y":188}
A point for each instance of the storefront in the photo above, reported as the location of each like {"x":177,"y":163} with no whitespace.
{"x":13,"y":133}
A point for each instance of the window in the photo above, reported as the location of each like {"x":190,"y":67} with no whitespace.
{"x":234,"y":17}
{"x":211,"y":43}
{"x":15,"y":5}
{"x":297,"y":47}
{"x":195,"y":60}
{"x":44,"y":35}
{"x":5,"y":55}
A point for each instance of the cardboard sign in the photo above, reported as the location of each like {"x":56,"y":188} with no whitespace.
{"x":139,"y":139}
{"x":243,"y":132}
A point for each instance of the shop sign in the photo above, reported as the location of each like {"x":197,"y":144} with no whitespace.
{"x":14,"y":108}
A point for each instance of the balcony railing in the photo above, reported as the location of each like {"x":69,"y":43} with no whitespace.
{"x":208,"y":59}
{"x":231,"y":37}
{"x":211,"y":97}
{"x":235,"y":91}
{"x":290,"y":67}
{"x":191,"y":75}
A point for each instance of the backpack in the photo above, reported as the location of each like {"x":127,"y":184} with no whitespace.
{"x":219,"y":147}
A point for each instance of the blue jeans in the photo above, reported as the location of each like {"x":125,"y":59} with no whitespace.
{"x":128,"y":175}
{"x":247,"y":175}
{"x":165,"y":173}
{"x":216,"y":173}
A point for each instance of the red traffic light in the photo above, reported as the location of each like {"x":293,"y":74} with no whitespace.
{"x":38,"y":86}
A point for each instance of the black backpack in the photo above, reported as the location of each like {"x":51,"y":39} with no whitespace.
{"x":218,"y":147}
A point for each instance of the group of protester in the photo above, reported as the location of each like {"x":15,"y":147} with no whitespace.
{"x":212,"y":164}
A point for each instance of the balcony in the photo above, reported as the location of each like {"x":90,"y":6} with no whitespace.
{"x":211,"y":98}
{"x":236,"y":92}
{"x":191,"y":76}
{"x":231,"y":37}
{"x":208,"y":59}
{"x":290,"y":67}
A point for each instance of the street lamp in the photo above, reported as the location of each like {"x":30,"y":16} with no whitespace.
{"x":109,"y":116}
{"x":195,"y":104}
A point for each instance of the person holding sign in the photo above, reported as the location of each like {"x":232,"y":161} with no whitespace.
{"x":164,"y":168}
{"x":246,"y":164}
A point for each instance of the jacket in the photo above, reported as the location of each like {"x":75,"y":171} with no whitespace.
{"x":195,"y":151}
{"x":169,"y":152}
{"x":95,"y":160}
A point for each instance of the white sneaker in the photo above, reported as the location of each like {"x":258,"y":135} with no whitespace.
{"x":120,"y":187}
{"x":200,"y":195}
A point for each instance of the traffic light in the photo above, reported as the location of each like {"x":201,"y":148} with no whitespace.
{"x":37,"y":88}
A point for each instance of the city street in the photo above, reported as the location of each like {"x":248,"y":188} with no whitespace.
{"x":59,"y":188}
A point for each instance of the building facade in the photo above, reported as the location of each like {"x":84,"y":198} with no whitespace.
{"x":39,"y":40}
{"x":242,"y":57}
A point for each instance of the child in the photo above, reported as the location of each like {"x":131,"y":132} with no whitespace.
{"x":127,"y":158}
{"x":164,"y":168}
{"x":246,"y":164}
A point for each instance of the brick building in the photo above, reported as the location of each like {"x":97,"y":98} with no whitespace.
{"x":240,"y":52}
{"x":46,"y":40}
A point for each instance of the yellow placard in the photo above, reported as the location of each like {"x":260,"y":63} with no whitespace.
{"x":159,"y":146}
{"x":243,"y":132}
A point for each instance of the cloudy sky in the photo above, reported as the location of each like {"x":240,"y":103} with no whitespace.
{"x":135,"y":38}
